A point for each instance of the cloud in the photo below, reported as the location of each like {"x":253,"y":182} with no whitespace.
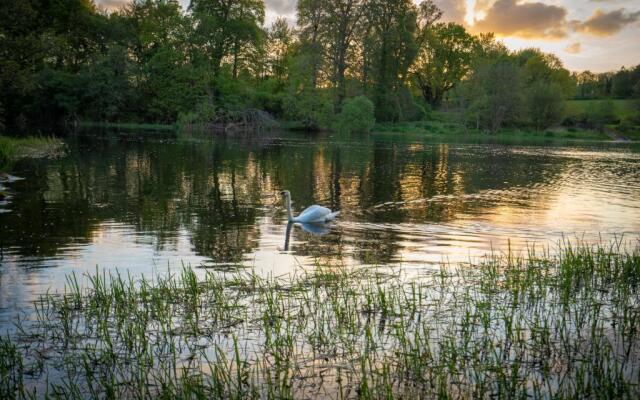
{"x":452,"y":10}
{"x":112,"y":4}
{"x":282,"y":7}
{"x":574,"y":48}
{"x":526,"y":20}
{"x":603,"y":23}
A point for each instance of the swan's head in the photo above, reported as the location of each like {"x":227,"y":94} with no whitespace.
{"x":285,"y":193}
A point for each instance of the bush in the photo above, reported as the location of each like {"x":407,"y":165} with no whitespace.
{"x":310,"y":108}
{"x":204,"y":113}
{"x":357,"y":115}
{"x":545,"y":105}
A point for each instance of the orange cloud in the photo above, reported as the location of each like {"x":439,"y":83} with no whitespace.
{"x":526,"y":20}
{"x":603,"y":23}
{"x":112,"y":4}
{"x":574,"y":48}
{"x":452,"y":10}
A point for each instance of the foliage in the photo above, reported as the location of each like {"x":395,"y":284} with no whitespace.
{"x":357,"y":115}
{"x":153,"y":62}
{"x":445,"y":57}
{"x":495,"y":95}
{"x":545,"y":104}
{"x":310,"y":108}
{"x":621,"y":84}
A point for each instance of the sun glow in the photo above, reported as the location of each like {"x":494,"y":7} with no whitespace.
{"x":470,"y":15}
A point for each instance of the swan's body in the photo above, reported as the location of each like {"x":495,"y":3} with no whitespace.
{"x":312,"y":214}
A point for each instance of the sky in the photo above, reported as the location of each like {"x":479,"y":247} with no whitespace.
{"x":595,"y":35}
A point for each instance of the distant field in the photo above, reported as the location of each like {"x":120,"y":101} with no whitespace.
{"x":622,"y":108}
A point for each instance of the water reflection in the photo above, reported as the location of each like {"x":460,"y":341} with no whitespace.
{"x":318,"y":229}
{"x":145,"y":205}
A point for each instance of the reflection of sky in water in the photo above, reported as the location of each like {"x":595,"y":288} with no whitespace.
{"x":147,"y":208}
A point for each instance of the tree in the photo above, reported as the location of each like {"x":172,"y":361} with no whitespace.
{"x":303,"y":101}
{"x":544,"y":67}
{"x":445,"y":56}
{"x":342,"y":19}
{"x":311,"y":14}
{"x":389,"y":51}
{"x":497,"y":90}
{"x":279,"y":41}
{"x":37,"y":36}
{"x":224,"y":29}
{"x":545,"y":104}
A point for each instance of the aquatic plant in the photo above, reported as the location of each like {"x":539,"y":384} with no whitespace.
{"x":511,"y":326}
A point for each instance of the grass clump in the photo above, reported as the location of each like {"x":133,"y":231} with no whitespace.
{"x":540,"y":326}
{"x":11,"y":149}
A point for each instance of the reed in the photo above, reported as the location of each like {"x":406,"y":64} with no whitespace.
{"x":513,"y":326}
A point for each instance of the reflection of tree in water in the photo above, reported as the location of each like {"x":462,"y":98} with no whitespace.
{"x":215,"y":192}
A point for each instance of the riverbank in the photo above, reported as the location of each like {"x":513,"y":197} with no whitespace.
{"x":441,"y":126}
{"x":15,"y":148}
{"x":452,"y":131}
{"x":534,"y":325}
{"x":133,"y":126}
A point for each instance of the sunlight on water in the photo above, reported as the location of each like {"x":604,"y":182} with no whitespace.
{"x":150,"y":207}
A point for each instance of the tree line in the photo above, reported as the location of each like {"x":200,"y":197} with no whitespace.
{"x":621,"y":84}
{"x":62,"y":61}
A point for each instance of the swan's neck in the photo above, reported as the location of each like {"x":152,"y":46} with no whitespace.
{"x":287,"y":200}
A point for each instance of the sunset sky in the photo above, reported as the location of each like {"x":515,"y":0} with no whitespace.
{"x":598,"y":35}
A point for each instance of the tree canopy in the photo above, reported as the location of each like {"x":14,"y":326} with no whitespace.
{"x":152,"y":61}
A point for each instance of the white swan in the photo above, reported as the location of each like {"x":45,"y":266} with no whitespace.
{"x":313,"y":214}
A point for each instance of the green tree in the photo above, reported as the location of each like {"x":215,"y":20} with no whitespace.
{"x":537,"y":67}
{"x":279,"y":44}
{"x":497,"y":87}
{"x":445,"y":56}
{"x":389,"y":52}
{"x":545,"y":104}
{"x":226,"y":29}
{"x":303,"y":102}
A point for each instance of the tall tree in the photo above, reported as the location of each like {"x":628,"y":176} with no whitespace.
{"x":342,"y":19}
{"x":280,"y":38}
{"x":224,"y":28}
{"x":392,"y":48}
{"x":311,"y":16}
{"x":445,"y":56}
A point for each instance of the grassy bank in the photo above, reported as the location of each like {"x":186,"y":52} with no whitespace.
{"x":621,"y":109}
{"x":12,"y":149}
{"x":537,"y":326}
{"x":127,"y":126}
{"x":444,"y":125}
{"x":621,"y":118}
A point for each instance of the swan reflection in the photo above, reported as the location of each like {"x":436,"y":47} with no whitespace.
{"x":318,"y":229}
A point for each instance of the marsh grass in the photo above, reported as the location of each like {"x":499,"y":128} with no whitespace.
{"x":537,"y":325}
{"x":12,"y":149}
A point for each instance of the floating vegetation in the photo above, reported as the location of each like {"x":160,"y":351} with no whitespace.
{"x":564,"y":326}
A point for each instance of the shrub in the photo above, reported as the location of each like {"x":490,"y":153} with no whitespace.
{"x":357,"y":115}
{"x":310,"y":108}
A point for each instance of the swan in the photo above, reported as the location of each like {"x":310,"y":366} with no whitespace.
{"x":313,"y":214}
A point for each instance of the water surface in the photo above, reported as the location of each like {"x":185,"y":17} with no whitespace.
{"x":151,"y":205}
